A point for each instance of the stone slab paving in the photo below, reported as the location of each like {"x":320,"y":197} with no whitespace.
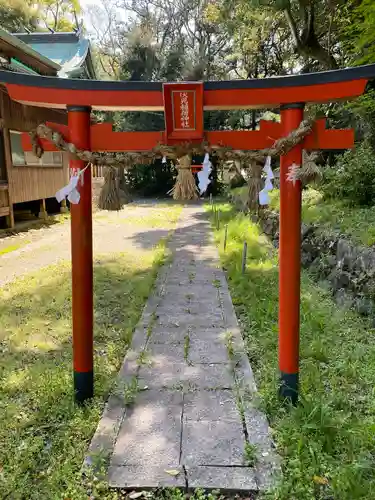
{"x":190,"y":419}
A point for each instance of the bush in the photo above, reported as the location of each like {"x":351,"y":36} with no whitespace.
{"x":352,"y":178}
{"x":151,"y":180}
{"x":157,"y":179}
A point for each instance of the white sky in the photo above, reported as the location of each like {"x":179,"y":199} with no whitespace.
{"x":88,"y":18}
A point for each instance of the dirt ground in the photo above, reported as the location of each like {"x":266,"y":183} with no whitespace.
{"x":138,"y":227}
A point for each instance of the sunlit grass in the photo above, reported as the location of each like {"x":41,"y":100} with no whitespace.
{"x":358,"y":223}
{"x":43,"y":434}
{"x":12,"y":248}
{"x":162,"y":216}
{"x":328,"y":442}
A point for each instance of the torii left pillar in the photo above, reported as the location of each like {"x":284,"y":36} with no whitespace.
{"x":82,"y":260}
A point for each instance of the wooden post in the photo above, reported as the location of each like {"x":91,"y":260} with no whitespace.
{"x":8,"y":167}
{"x":290,"y":261}
{"x":10,"y":217}
{"x":82,"y":260}
{"x":43,"y":211}
{"x":63,"y":208}
{"x":225,"y":237}
{"x":244,"y":257}
{"x":218,"y":220}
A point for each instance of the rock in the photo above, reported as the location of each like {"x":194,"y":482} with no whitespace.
{"x":343,"y":299}
{"x":309,"y":251}
{"x":343,"y":249}
{"x":331,"y":261}
{"x":333,"y":246}
{"x":365,"y":306}
{"x":316,"y":267}
{"x":306,"y":259}
{"x":340,"y":279}
{"x":306,"y":230}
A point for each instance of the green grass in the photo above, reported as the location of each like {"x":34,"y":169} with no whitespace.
{"x":358,"y":223}
{"x":250,"y":455}
{"x":159,"y":219}
{"x":12,"y":248}
{"x":327,"y":443}
{"x":43,"y":434}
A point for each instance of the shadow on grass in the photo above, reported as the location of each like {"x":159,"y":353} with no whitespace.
{"x":43,"y":434}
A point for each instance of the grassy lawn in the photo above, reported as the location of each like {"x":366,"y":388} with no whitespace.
{"x":356,"y":222}
{"x":43,"y":434}
{"x":327,"y":443}
{"x":165,"y":219}
{"x":13,"y":247}
{"x":162,"y":215}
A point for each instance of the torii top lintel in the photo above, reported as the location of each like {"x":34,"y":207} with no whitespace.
{"x":272,"y":92}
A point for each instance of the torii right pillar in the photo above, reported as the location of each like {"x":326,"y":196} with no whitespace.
{"x":290,"y":260}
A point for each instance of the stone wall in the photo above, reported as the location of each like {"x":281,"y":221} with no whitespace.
{"x":348,"y":269}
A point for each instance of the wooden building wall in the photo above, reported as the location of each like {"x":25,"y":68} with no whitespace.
{"x":35,"y":183}
{"x":27,"y":183}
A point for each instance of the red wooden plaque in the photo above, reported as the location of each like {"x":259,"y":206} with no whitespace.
{"x":183,"y":107}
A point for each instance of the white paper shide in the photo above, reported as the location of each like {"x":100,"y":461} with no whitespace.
{"x":203,"y":175}
{"x":70,"y":191}
{"x":264,"y":197}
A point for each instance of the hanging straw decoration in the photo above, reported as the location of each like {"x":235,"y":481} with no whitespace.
{"x":308,"y":172}
{"x":185,"y":187}
{"x":254,"y":183}
{"x":109,"y":198}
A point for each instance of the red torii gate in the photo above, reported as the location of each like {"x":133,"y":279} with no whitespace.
{"x":289,"y":93}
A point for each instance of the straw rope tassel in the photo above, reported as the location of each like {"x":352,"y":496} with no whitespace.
{"x":185,"y":187}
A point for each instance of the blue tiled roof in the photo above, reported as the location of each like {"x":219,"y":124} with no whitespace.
{"x":68,"y":50}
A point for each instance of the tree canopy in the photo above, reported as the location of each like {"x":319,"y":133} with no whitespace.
{"x":21,"y":15}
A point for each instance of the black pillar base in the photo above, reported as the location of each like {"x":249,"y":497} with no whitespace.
{"x":288,"y":390}
{"x":83,"y":386}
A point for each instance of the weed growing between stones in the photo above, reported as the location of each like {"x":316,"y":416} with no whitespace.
{"x":250,"y":454}
{"x":186,"y":347}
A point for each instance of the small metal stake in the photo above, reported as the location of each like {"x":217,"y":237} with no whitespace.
{"x":244,"y":255}
{"x":225,"y":237}
{"x":218,"y":220}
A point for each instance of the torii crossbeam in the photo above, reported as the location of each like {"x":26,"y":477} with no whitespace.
{"x":184,"y":104}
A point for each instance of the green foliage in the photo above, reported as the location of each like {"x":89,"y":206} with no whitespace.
{"x":359,"y":33}
{"x":250,"y":453}
{"x":151,"y":180}
{"x":327,"y":442}
{"x":352,"y":178}
{"x":59,"y":14}
{"x":358,"y":223}
{"x":16,"y":15}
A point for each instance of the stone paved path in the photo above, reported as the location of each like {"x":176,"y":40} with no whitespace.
{"x":192,"y":423}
